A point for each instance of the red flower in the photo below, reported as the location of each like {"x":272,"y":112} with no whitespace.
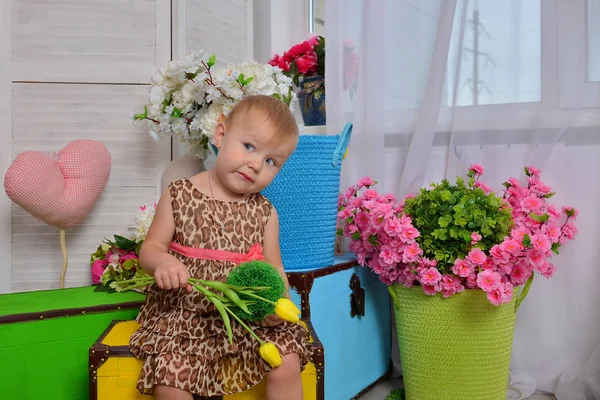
{"x":307,"y":63}
{"x":279,"y":61}
{"x":299,"y":49}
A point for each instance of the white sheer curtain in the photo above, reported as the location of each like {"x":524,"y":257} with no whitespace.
{"x":442,"y":84}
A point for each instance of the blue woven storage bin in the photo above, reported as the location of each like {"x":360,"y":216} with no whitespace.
{"x":305,"y":194}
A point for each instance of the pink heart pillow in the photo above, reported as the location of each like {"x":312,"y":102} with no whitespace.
{"x":61,"y":190}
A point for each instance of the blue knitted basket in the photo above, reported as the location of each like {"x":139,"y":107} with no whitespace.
{"x":305,"y":194}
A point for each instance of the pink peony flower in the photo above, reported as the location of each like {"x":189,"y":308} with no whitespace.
{"x":475,"y":237}
{"x":345,"y":213}
{"x":519,"y":274}
{"x":128,"y":256}
{"x":541,"y":242}
{"x":365,"y":182}
{"x":536,"y":258}
{"x":462,"y":268}
{"x":514,"y":182}
{"x":531,"y":203}
{"x":548,"y":270}
{"x":533,"y":170}
{"x":430,"y":276}
{"x":431,"y":289}
{"x":502,"y":294}
{"x":486,"y":189}
{"x":511,"y":246}
{"x":411,"y":253}
{"x":409,"y":234}
{"x":97,"y":270}
{"x":552,"y":231}
{"x":488,"y":280}
{"x":476,"y":256}
{"x":476,"y":168}
{"x":387,"y":255}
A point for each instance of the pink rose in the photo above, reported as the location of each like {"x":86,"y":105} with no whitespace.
{"x":488,"y":280}
{"x":476,"y":168}
{"x":462,"y":268}
{"x":531,"y":203}
{"x":486,"y":189}
{"x":430,"y":276}
{"x":431,"y":290}
{"x":533,"y":170}
{"x":541,"y":242}
{"x":98,"y":268}
{"x":365,"y":182}
{"x":307,"y":63}
{"x":476,"y":256}
{"x":475,"y":237}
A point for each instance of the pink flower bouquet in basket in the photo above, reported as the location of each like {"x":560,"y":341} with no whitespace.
{"x":455,"y":237}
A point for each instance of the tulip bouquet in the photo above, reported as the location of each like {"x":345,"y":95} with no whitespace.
{"x":450,"y":238}
{"x":253,"y":291}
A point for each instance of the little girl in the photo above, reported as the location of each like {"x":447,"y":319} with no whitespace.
{"x":182,"y":337}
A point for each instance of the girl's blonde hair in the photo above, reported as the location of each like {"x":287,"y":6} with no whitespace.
{"x":276,"y":112}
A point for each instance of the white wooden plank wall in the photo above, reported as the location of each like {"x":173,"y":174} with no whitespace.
{"x":79,"y":69}
{"x":223,"y":27}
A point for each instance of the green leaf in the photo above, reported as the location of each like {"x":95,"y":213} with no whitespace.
{"x":143,"y":115}
{"x":444,"y":221}
{"x":100,"y":288}
{"x":176,"y":112}
{"x":356,"y":235}
{"x":373,"y":240}
{"x":248,"y":80}
{"x":124,"y":243}
{"x":526,"y":171}
{"x":555,"y":247}
{"x":212,"y":60}
{"x":549,"y":195}
{"x":129,"y":264}
{"x":339,"y":232}
{"x":538,"y":217}
{"x":526,"y":240}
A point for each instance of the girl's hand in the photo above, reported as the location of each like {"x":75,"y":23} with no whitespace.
{"x":173,"y":275}
{"x":271,"y":321}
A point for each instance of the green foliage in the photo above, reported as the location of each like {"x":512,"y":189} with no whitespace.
{"x":446,"y":215}
{"x":397,"y":394}
{"x":256,"y":274}
{"x":320,"y":51}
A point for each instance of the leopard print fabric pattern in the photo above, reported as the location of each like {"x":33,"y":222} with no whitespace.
{"x":182,"y":337}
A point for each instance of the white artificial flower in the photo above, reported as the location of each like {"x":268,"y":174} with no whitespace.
{"x":184,"y":102}
{"x":143,"y":219}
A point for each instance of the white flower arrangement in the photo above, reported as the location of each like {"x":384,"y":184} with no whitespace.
{"x":188,"y":97}
{"x":143,"y":219}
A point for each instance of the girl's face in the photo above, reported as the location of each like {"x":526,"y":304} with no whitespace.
{"x":248,"y":159}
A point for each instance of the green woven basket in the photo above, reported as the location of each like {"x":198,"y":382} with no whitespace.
{"x":457,"y":348}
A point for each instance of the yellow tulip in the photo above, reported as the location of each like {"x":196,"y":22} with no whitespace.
{"x":287,"y":310}
{"x":270,"y":354}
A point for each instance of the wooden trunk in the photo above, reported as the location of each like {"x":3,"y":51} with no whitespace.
{"x":45,"y":337}
{"x":114,"y":371}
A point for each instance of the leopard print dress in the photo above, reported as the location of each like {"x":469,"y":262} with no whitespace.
{"x":182,"y":337}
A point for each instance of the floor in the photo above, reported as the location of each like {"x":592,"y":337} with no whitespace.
{"x":380,"y":391}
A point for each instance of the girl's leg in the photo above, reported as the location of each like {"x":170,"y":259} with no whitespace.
{"x":283,"y":382}
{"x":171,"y":393}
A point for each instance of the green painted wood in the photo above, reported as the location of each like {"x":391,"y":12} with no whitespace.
{"x":48,"y":359}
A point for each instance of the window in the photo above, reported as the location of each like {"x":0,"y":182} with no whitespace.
{"x":500,"y":60}
{"x":579,"y":53}
{"x":593,"y":40}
